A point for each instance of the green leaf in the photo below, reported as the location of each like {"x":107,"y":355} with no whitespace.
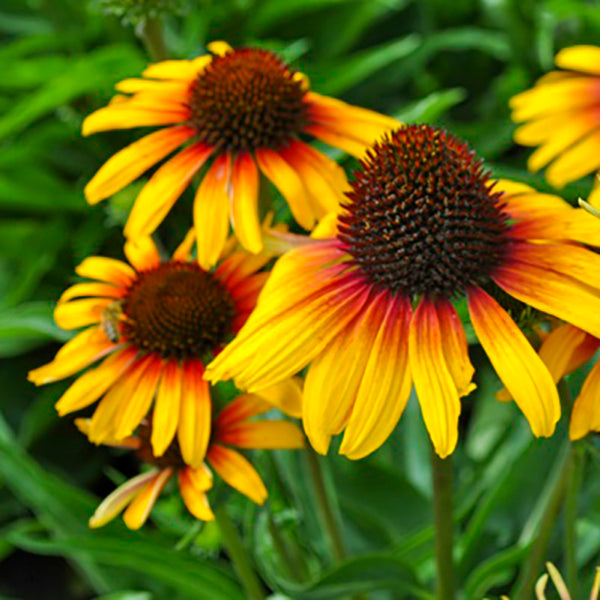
{"x":127,"y":596}
{"x":27,"y":326}
{"x":432,"y":107}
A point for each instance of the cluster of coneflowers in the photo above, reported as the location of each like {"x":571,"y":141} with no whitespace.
{"x":367,"y":299}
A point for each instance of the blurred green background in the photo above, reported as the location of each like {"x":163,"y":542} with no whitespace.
{"x":451,"y":63}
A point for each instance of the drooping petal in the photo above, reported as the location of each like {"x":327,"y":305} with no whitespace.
{"x":93,"y":383}
{"x":211,"y":212}
{"x":113,"y":504}
{"x":262,"y":434}
{"x":586,"y":410}
{"x":164,"y":188}
{"x":167,"y":407}
{"x":142,"y":253}
{"x":106,"y":269}
{"x":194,"y":498}
{"x":237,"y":471}
{"x":566,"y":349}
{"x":288,"y":182}
{"x":140,"y":507}
{"x":434,"y":383}
{"x":516,"y":362}
{"x":244,"y":203}
{"x":85,"y":348}
{"x":128,"y":164}
{"x":194,"y":427}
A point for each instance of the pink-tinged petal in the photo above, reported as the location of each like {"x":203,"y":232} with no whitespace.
{"x":164,"y":188}
{"x":244,"y":203}
{"x":516,"y":362}
{"x":211,"y":212}
{"x":128,"y":164}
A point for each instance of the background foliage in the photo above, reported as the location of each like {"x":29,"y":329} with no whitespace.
{"x":451,"y":63}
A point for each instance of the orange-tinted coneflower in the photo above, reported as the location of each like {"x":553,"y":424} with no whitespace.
{"x":154,"y":324}
{"x":561,"y":115}
{"x":244,"y":111}
{"x":232,"y":430}
{"x":372,"y":307}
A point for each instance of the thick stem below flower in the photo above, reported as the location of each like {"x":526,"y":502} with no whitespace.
{"x":151,"y":34}
{"x":444,"y":526}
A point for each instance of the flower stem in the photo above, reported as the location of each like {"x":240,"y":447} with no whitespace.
{"x":151,"y":34}
{"x":524,"y":587}
{"x":326,"y":510}
{"x":238,"y":555}
{"x":573,"y":486}
{"x":444,"y":526}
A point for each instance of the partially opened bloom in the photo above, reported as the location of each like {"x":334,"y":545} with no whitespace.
{"x":232,"y":430}
{"x":153,"y":324}
{"x":372,"y":307}
{"x":561,"y":115}
{"x":239,"y":109}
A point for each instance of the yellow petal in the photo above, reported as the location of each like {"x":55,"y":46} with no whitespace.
{"x":518,"y":366}
{"x":184,"y":70}
{"x":92,"y":290}
{"x":195,"y":499}
{"x":167,"y":407}
{"x":579,"y":58}
{"x":211,"y":212}
{"x":579,"y":160}
{"x":436,"y":390}
{"x":194,"y":427}
{"x":128,"y":164}
{"x":219,"y":47}
{"x":164,"y":188}
{"x":262,"y":434}
{"x":286,"y":396}
{"x":106,"y":269}
{"x":235,"y":470}
{"x":142,"y":253}
{"x":139,"y":509}
{"x":183,"y":252}
{"x":244,"y":203}
{"x":79,"y":313}
{"x":586,"y":410}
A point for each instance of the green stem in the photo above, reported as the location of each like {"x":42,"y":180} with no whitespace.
{"x":238,"y":555}
{"x":524,"y":587}
{"x":573,"y":486}
{"x":326,"y":510}
{"x":151,"y":34}
{"x":444,"y":526}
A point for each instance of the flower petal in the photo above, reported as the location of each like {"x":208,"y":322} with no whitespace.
{"x":211,"y":212}
{"x":586,"y":410}
{"x":106,"y":269}
{"x":139,"y":509}
{"x":142,"y":253}
{"x":518,"y":366}
{"x":194,"y":498}
{"x":128,"y":164}
{"x":237,"y":471}
{"x":167,"y":407}
{"x":79,"y":313}
{"x":262,"y":434}
{"x":91,"y":290}
{"x":286,"y":396}
{"x":164,"y":188}
{"x":579,"y":58}
{"x":244,"y":203}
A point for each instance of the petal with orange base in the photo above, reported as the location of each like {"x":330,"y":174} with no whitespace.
{"x":93,"y":383}
{"x":586,"y":410}
{"x":193,"y":431}
{"x":385,"y":385}
{"x":237,"y":471}
{"x":434,"y":382}
{"x":183,"y":252}
{"x":140,"y":507}
{"x":167,"y":407}
{"x":516,"y":362}
{"x":85,"y":348}
{"x":128,"y":164}
{"x":262,"y":434}
{"x":113,"y":504}
{"x":164,"y":188}
{"x":106,"y":269}
{"x":194,"y":498}
{"x":91,"y":290}
{"x":211,"y":212}
{"x":288,"y":182}
{"x":79,"y":313}
{"x":244,"y":203}
{"x":566,"y":349}
{"x":142,"y":253}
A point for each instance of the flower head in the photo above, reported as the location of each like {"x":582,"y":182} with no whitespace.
{"x":561,"y":115}
{"x":371,"y":306}
{"x":239,"y":109}
{"x":153,"y":324}
{"x":232,"y":430}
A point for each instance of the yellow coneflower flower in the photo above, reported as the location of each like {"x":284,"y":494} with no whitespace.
{"x":561,"y":115}
{"x":154,"y":325}
{"x":240,"y":108}
{"x":232,"y":429}
{"x":372,"y":307}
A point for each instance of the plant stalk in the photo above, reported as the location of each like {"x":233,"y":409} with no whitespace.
{"x":441,"y":470}
{"x":151,"y":34}
{"x":238,"y":555}
{"x":573,"y":487}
